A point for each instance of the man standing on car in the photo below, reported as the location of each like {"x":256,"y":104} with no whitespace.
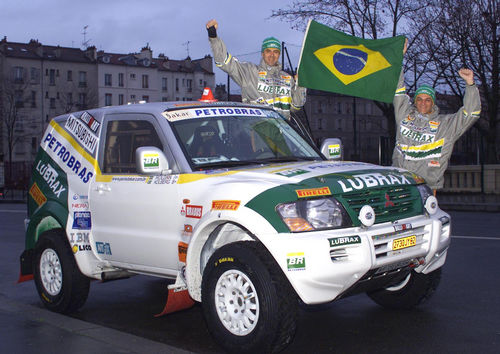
{"x":265,"y":83}
{"x":425,"y":138}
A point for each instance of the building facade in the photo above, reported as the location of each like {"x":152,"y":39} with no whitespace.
{"x":38,"y":82}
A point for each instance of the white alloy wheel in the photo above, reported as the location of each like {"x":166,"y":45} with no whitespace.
{"x":51,"y":272}
{"x":237,"y":302}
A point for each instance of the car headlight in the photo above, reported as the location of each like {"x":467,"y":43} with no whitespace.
{"x":314,"y":214}
{"x":428,"y":199}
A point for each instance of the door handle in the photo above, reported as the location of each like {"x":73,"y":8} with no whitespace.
{"x":101,"y":188}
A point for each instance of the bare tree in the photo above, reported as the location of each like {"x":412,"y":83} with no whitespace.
{"x":77,"y":98}
{"x":370,"y":19}
{"x":467,"y":34}
{"x":13,"y":96}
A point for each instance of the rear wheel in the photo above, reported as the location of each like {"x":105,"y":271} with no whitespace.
{"x":248,"y":304}
{"x":60,"y":284}
{"x":409,"y":293}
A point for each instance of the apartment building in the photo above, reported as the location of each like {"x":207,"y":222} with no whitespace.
{"x":38,"y":82}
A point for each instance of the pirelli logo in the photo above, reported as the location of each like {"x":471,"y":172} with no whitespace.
{"x":37,"y":194}
{"x":313,"y":192}
{"x":225,"y":204}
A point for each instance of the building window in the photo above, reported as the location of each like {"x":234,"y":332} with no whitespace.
{"x":164,"y":99}
{"x":108,"y":99}
{"x":82,"y":79}
{"x":320,"y":124}
{"x":145,"y":81}
{"x":107,"y":80}
{"x":52,"y":103}
{"x":120,"y":79}
{"x":164,"y":84}
{"x":33,"y":99}
{"x":52,"y":77}
{"x":201,"y":82}
{"x":176,"y":85}
{"x":69,"y":75}
{"x":34,"y":144}
{"x":82,"y":100}
{"x":189,"y":83}
{"x":57,"y":95}
{"x":34,"y":75}
{"x":132,"y":76}
{"x":120,"y":99}
{"x":18,"y":74}
{"x":132,"y":98}
{"x":69,"y":98}
{"x":145,"y":98}
{"x":46,"y":94}
{"x":18,"y":98}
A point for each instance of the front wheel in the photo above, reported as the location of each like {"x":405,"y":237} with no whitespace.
{"x":409,"y":293}
{"x":248,"y":304}
{"x":60,"y":284}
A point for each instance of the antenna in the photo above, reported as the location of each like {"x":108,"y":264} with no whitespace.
{"x":187,"y":46}
{"x":86,"y":41}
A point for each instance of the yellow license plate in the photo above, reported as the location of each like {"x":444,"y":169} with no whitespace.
{"x":404,"y":242}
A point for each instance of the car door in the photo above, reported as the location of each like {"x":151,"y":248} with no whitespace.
{"x":134,"y":223}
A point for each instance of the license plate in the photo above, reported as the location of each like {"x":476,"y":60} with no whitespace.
{"x":404,"y":242}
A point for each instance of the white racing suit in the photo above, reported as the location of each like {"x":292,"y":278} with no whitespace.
{"x":261,"y":84}
{"x":424,"y":142}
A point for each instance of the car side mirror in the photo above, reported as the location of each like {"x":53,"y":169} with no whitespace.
{"x":151,"y":161}
{"x":332,"y":149}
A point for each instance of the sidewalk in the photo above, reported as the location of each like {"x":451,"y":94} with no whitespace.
{"x":27,"y":329}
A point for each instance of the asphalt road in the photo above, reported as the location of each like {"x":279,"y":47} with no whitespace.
{"x":462,"y":317}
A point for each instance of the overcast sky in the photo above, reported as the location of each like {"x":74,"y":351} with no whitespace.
{"x":125,"y":26}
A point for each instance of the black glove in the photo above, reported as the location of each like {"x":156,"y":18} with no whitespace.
{"x":212,"y":32}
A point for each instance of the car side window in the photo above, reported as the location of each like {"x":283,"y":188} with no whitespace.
{"x":123,"y":137}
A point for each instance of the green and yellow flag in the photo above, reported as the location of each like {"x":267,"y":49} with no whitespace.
{"x":334,"y":61}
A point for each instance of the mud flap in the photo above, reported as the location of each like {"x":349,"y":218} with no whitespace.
{"x":178,"y":299}
{"x":23,"y":278}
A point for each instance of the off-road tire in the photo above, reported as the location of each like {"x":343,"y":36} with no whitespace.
{"x":252,"y":264}
{"x":411,"y":292}
{"x":60,"y":284}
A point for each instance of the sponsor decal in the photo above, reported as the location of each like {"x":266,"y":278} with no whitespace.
{"x":182,"y":249}
{"x":212,"y":112}
{"x":292,"y":172}
{"x":80,"y":248}
{"x":433,"y":126}
{"x":262,"y":74}
{"x":80,"y":206}
{"x":272,"y":89}
{"x":225,"y":204}
{"x":371,"y":180}
{"x":345,"y":240}
{"x":194,"y":211}
{"x":83,"y":197}
{"x":295,"y":261}
{"x":424,"y":151}
{"x":64,"y":154}
{"x":170,"y":179}
{"x":129,"y":179}
{"x":402,"y":227}
{"x":82,"y":132}
{"x":224,"y":260}
{"x":79,"y":237}
{"x":433,"y":163}
{"x":151,"y":161}
{"x":82,"y":220}
{"x":313,"y":192}
{"x":50,"y":175}
{"x":103,"y":248}
{"x":334,"y":150}
{"x":417,"y":136}
{"x":37,"y":195}
{"x":335,"y":164}
{"x":417,"y":178}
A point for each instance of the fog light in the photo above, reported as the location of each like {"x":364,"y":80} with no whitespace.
{"x":367,"y":215}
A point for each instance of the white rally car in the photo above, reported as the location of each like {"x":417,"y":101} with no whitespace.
{"x":233,"y":205}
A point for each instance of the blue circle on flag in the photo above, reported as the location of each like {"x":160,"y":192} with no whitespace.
{"x":349,"y":61}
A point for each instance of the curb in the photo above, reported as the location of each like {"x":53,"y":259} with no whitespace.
{"x":95,"y":335}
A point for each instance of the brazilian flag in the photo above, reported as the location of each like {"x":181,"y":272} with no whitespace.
{"x":334,"y":61}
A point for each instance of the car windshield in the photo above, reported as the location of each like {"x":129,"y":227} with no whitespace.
{"x":244,"y":136}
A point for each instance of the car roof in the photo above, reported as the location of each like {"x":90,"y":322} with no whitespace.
{"x":158,"y":107}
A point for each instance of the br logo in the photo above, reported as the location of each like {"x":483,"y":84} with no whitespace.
{"x":350,"y":63}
